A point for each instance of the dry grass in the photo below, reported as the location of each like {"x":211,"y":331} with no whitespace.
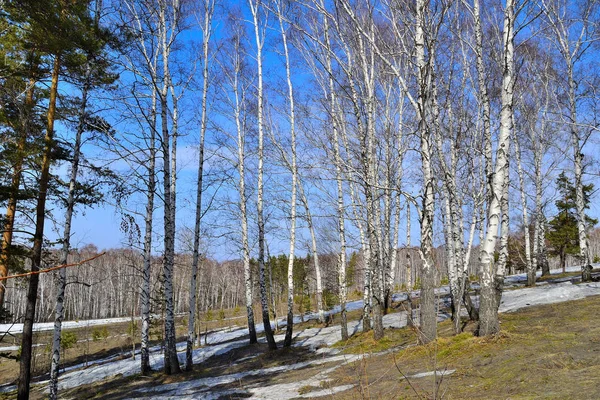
{"x":550,"y":351}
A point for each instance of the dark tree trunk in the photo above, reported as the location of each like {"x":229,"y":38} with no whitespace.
{"x":38,"y":239}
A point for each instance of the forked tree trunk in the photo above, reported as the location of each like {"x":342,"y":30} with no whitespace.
{"x":255,"y":7}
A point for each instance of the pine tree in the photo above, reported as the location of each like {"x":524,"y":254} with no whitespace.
{"x":52,"y":37}
{"x":563,"y":234}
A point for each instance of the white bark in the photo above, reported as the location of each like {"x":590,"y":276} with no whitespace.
{"x":294,"y":169}
{"x":338,"y":177}
{"x":169,"y":152}
{"x":66,"y":239}
{"x":488,"y":311}
{"x":207,"y":31}
{"x":428,"y":317}
{"x":528,"y":261}
{"x":315,"y":253}
{"x":255,"y":8}
{"x":147,"y":251}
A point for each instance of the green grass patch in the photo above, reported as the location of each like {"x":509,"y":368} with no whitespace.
{"x":364,"y":343}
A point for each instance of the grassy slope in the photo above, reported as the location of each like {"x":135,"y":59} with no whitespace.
{"x":549,"y":351}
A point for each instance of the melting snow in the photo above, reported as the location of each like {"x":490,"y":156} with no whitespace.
{"x":317,"y":339}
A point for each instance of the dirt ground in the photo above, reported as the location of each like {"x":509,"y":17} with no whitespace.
{"x":549,"y":351}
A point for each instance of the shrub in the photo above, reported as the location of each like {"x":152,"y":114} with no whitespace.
{"x":417,"y":284}
{"x":96,"y":334}
{"x":330,"y":299}
{"x":306,"y":303}
{"x":132,"y":328}
{"x":67,"y":340}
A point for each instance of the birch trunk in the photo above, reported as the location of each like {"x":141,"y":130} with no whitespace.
{"x":66,"y":239}
{"x":171,"y":362}
{"x":207,"y":31}
{"x":539,"y":241}
{"x":255,"y":9}
{"x":485,"y":101}
{"x":241,"y":156}
{"x":528,"y":262}
{"x":409,"y":271}
{"x":394,"y":251}
{"x":488,"y":310}
{"x":147,"y":252}
{"x":584,"y":253}
{"x":315,"y":254}
{"x":428,"y":314}
{"x":338,"y":178}
{"x":290,"y":299}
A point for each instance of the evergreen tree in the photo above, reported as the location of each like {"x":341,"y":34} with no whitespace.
{"x":563,"y":234}
{"x":45,"y":41}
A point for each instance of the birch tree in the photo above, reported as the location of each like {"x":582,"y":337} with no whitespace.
{"x":491,"y":275}
{"x":208,"y":8}
{"x":92,"y":75}
{"x":236,"y":90}
{"x":167,"y":31}
{"x":294,"y":170}
{"x":574,"y":29}
{"x":258,"y":13}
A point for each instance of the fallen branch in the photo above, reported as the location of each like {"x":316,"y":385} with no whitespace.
{"x":42,"y":271}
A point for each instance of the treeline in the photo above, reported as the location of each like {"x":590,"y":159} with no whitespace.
{"x":108,"y":287}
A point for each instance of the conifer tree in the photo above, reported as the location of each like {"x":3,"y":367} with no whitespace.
{"x":563,"y":233}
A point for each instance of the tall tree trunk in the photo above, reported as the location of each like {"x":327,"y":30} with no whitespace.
{"x":528,"y":262}
{"x":315,"y":253}
{"x":147,"y":251}
{"x":241,"y":165}
{"x":539,"y":240}
{"x":66,"y":240}
{"x":255,"y":9}
{"x":169,"y":150}
{"x":584,"y":253}
{"x":409,"y":271}
{"x":207,"y":30}
{"x":292,"y":117}
{"x":488,"y":310}
{"x":485,"y":100}
{"x":338,"y":177}
{"x":38,"y":239}
{"x":428,"y":313}
{"x":11,"y":206}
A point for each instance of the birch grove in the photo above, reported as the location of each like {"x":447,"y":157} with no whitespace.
{"x":293,"y":157}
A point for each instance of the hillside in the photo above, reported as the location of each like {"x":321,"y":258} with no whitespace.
{"x":541,"y":346}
